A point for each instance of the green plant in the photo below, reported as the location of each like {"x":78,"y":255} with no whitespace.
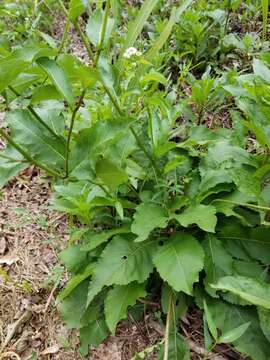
{"x":165,"y":208}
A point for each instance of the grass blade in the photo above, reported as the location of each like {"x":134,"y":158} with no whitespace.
{"x":265,"y":5}
{"x":137,"y":25}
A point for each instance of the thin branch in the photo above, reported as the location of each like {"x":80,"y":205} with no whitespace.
{"x":37,"y":117}
{"x":72,"y":121}
{"x":28,"y":157}
{"x":103,"y":31}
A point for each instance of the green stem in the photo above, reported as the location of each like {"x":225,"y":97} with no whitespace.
{"x":72,"y":121}
{"x":85,"y":41}
{"x":37,"y":117}
{"x":103,"y":32}
{"x":256,"y":207}
{"x":143,"y":148}
{"x":26,"y":155}
{"x":167,"y":330}
{"x":64,"y":38}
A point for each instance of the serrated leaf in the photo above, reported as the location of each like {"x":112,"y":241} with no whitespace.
{"x":58,"y":77}
{"x":73,"y":257}
{"x":264,"y":318}
{"x":233,"y":334}
{"x":92,"y":240}
{"x":254,"y":291}
{"x":148,"y":217}
{"x":210,"y":321}
{"x":122,"y":262}
{"x":118,"y":300}
{"x":72,"y":307}
{"x":202,"y":215}
{"x":93,"y":334}
{"x":179,"y":262}
{"x":110,"y":174}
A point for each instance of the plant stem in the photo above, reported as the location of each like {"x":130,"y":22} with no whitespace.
{"x":103,"y":31}
{"x":72,"y":121}
{"x":228,"y":16}
{"x":85,"y":41}
{"x":141,"y":145}
{"x":25,"y":154}
{"x":167,"y":330}
{"x":64,"y":38}
{"x":37,"y":117}
{"x":252,"y":206}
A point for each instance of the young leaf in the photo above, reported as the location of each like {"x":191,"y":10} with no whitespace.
{"x":202,"y":215}
{"x":179,"y":262}
{"x":233,"y":334}
{"x":118,"y":300}
{"x":58,"y":77}
{"x":210,"y":321}
{"x":110,"y":174}
{"x":251,"y":290}
{"x":146,"y":218}
{"x":122,"y":262}
{"x":76,"y":8}
{"x":92,"y":240}
{"x":94,"y":25}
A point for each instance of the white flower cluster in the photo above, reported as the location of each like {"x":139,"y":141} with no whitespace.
{"x":131,"y":52}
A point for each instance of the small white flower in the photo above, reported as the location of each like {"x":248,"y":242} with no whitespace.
{"x":131,"y":52}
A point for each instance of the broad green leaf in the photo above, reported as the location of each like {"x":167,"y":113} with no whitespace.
{"x":122,"y":262}
{"x":93,"y":334}
{"x":252,"y":243}
{"x":261,"y":70}
{"x":58,"y":77}
{"x":28,"y":132}
{"x":148,"y":217}
{"x":264,"y":318}
{"x":45,"y":92}
{"x":210,"y":321}
{"x":136,"y":26}
{"x":202,"y":215}
{"x":94,"y":25}
{"x":153,"y":76}
{"x":110,"y":174}
{"x":74,"y":282}
{"x":226,"y":316}
{"x":118,"y":300}
{"x":218,"y":262}
{"x":179,"y":301}
{"x":179,"y":261}
{"x":10,"y":164}
{"x":254,"y":291}
{"x":73,"y":257}
{"x":233,"y":334}
{"x":72,"y":307}
{"x":92,"y":240}
{"x":76,"y":8}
